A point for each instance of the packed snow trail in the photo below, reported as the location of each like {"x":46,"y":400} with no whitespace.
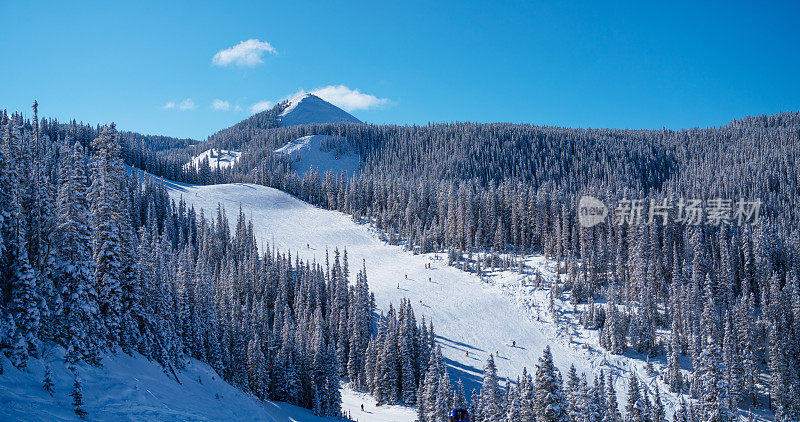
{"x":468,"y":314}
{"x":352,"y":401}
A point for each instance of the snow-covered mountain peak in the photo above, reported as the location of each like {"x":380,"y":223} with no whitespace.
{"x":309,"y":108}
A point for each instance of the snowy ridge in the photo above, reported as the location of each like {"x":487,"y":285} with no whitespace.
{"x":470,"y":315}
{"x":307,"y":152}
{"x":308,"y":108}
{"x":133,"y":388}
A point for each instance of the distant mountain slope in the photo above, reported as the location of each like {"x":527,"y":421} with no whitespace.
{"x":312,"y":152}
{"x":308,"y":108}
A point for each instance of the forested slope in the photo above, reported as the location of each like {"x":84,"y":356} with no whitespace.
{"x":506,"y":188}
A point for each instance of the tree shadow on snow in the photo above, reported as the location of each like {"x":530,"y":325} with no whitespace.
{"x":457,"y":344}
{"x":471,"y":378}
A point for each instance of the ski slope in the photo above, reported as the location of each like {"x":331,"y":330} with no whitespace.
{"x":307,"y":153}
{"x":352,"y":401}
{"x":469,"y":315}
{"x":308,"y":108}
{"x":136,"y":389}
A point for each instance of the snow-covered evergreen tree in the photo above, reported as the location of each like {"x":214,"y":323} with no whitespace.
{"x":491,"y":397}
{"x":73,"y":273}
{"x":106,"y":199}
{"x":635,"y":409}
{"x":551,"y":405}
{"x":77,"y":398}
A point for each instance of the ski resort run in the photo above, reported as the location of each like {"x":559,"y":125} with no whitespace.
{"x":295,"y":212}
{"x":474,"y":318}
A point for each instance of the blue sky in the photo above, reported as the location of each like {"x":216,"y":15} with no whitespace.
{"x":577,"y":64}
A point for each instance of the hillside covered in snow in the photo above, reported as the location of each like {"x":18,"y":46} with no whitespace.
{"x":447,"y":223}
{"x":304,"y":212}
{"x":313,"y":151}
{"x":132,"y":388}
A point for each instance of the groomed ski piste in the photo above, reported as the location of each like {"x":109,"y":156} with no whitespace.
{"x":469,"y":314}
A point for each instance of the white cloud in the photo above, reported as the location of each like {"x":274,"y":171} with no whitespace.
{"x":338,"y":95}
{"x":246,"y":54}
{"x":218,"y":104}
{"x":187,"y":104}
{"x":261,"y":106}
{"x":348,"y":99}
